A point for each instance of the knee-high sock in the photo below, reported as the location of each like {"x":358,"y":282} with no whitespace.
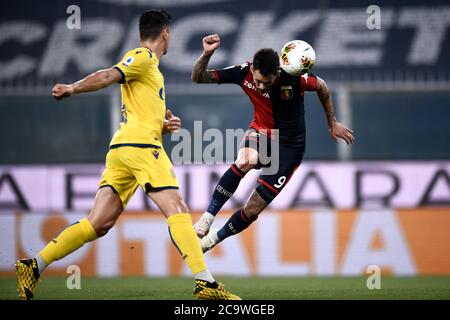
{"x":186,"y":241}
{"x":237,"y":223}
{"x":72,"y":238}
{"x":225,"y":188}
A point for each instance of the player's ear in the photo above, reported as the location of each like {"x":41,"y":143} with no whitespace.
{"x":165,"y":33}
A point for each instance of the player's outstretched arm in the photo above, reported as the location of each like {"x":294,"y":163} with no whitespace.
{"x":200,"y":74}
{"x":93,"y":82}
{"x":337,"y":130}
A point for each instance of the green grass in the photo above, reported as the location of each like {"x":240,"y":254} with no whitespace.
{"x":248,"y":288}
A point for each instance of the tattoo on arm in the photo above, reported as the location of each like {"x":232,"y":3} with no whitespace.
{"x":200,"y":74}
{"x":325,"y":99}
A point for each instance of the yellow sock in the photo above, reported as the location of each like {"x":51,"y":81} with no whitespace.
{"x":186,"y":241}
{"x":72,"y":238}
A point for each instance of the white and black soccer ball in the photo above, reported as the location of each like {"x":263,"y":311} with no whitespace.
{"x":297,"y":57}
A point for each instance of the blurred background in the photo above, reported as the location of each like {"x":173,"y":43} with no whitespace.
{"x":383,"y":201}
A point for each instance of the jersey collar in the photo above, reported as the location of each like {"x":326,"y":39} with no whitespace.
{"x":152,"y":54}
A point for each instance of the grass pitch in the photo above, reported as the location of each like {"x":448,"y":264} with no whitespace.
{"x":252,"y":288}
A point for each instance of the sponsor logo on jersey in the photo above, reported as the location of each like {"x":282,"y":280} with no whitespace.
{"x":155,"y":153}
{"x":253,"y":87}
{"x":223,"y":191}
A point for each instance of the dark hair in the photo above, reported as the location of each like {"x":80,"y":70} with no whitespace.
{"x":152,"y":23}
{"x":266,"y":61}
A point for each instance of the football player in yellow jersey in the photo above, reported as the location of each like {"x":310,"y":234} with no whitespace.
{"x":136,"y":158}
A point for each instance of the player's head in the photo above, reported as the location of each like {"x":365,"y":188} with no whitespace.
{"x":154,"y":24}
{"x":265,"y":69}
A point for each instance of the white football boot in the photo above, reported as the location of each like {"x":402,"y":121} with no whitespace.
{"x":210,"y":240}
{"x":202,"y":226}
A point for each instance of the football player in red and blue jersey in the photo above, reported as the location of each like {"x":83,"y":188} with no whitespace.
{"x":279,"y":118}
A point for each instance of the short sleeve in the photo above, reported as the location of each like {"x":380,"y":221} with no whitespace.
{"x":308,"y":82}
{"x":232,"y":74}
{"x":133,"y":64}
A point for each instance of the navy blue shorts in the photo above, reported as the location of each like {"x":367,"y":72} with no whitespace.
{"x":289,"y":159}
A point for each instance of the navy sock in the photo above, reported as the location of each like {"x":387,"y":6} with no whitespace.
{"x":227,"y":185}
{"x":237,"y":223}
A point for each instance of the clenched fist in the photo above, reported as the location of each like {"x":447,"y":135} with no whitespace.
{"x":211,"y":43}
{"x":61,"y":91}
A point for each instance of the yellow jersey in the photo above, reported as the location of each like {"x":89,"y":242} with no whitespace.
{"x":143,"y":99}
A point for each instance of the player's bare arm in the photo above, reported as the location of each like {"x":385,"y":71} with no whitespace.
{"x":93,"y":82}
{"x":200,"y":73}
{"x":337,"y":130}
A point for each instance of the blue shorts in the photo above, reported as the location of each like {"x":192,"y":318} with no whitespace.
{"x":289,"y":159}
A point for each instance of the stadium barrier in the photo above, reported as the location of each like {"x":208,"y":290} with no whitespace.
{"x":316,"y":184}
{"x":402,"y":242}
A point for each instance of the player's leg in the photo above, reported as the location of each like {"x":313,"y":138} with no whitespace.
{"x":183,"y":236}
{"x":247,"y":159}
{"x":108,"y":205}
{"x":103,"y":215}
{"x":107,"y":208}
{"x":171,"y":204}
{"x":269,"y":186}
{"x":116,"y":188}
{"x":238,"y":222}
{"x":152,"y":169}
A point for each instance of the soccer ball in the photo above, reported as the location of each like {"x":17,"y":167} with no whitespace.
{"x":297,"y":57}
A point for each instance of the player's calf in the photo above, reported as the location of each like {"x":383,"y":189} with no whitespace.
{"x":254,"y":206}
{"x":224,"y":189}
